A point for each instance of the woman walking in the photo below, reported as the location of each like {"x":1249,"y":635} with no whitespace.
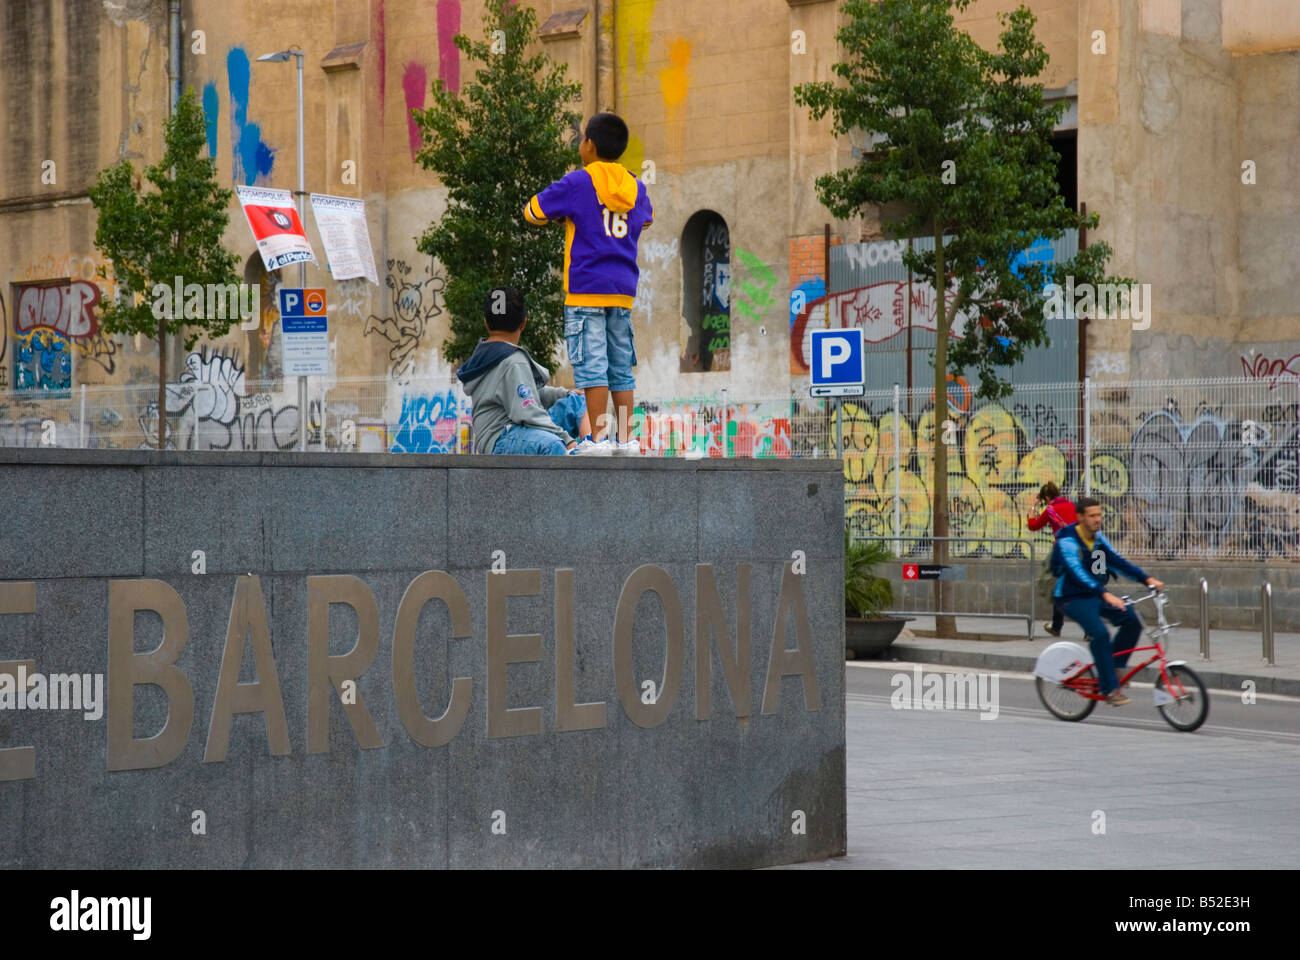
{"x":1058,"y":512}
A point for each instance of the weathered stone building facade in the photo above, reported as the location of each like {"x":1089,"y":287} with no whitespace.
{"x":1183,"y":116}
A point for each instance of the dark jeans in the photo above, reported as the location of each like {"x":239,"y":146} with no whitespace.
{"x":1058,"y":616}
{"x":1091,"y":614}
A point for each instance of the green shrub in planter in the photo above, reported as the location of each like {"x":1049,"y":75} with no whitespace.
{"x":865,"y":593}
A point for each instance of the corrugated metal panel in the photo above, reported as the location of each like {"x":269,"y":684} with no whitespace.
{"x":875,"y":273}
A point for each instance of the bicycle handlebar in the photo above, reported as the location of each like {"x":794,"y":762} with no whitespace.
{"x":1128,"y":601}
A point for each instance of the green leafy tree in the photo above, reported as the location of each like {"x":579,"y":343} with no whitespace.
{"x":501,"y":139}
{"x":962,"y":151}
{"x":154,"y":236}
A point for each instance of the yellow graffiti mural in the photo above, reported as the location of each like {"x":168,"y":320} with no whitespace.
{"x":1109,"y":476}
{"x":992,"y":488}
{"x":1042,"y":465}
{"x":886,"y":459}
{"x":925,"y":443}
{"x":991,"y":446}
{"x":871,"y":513}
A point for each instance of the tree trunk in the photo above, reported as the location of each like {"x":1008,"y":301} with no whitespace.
{"x":162,"y":384}
{"x":945,"y":626}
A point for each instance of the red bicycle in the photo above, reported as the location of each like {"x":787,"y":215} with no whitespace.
{"x":1066,"y":677}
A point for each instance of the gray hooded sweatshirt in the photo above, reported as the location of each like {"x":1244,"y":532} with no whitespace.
{"x":507,"y":386}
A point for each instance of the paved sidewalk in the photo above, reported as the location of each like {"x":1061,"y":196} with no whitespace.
{"x":1235,"y":655}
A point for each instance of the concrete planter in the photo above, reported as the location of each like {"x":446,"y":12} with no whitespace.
{"x":871,"y":638}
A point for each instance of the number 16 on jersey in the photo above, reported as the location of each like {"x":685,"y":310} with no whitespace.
{"x":620,"y":223}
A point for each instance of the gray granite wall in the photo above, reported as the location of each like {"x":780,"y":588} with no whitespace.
{"x":416,"y":771}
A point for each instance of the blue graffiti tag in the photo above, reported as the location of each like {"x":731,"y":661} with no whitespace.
{"x":428,"y":424}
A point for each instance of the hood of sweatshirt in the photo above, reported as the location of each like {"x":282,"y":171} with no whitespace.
{"x":615,"y":187}
{"x":485,"y":356}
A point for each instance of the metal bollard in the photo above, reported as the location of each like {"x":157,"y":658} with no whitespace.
{"x":1266,"y":597}
{"x":1205,"y":620}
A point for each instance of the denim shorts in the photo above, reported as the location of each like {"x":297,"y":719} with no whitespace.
{"x":601,"y":348}
{"x":567,"y":413}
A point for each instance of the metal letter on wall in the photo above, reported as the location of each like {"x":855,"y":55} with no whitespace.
{"x":799,"y":661}
{"x":128,"y":669}
{"x":569,"y":715}
{"x":430,"y":585}
{"x":324,"y":670}
{"x":504,"y":649}
{"x":711,"y":622}
{"x":247,"y":619}
{"x":643,"y":578}
{"x":17,"y":763}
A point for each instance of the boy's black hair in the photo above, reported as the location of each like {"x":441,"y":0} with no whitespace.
{"x":609,"y":134}
{"x":503,"y":309}
{"x":1083,"y":503}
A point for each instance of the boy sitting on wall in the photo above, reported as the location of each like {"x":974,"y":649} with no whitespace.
{"x":514,"y":410}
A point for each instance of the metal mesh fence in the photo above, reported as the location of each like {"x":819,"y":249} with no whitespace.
{"x":1184,"y":468}
{"x":343,"y":415}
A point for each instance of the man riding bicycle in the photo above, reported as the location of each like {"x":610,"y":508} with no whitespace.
{"x":1084,"y":561}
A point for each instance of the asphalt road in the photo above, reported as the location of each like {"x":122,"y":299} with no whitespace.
{"x":940,"y":789}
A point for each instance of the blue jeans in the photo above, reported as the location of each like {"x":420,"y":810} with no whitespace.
{"x":1089,"y":613}
{"x":567,"y":414}
{"x":520,"y":439}
{"x":601,"y":347}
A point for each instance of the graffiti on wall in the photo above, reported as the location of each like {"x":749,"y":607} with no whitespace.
{"x":60,"y":304}
{"x":414,"y":305}
{"x":1206,"y":482}
{"x":415,"y":75}
{"x":756,"y":293}
{"x":4,"y":343}
{"x":715,"y":298}
{"x":670,"y":428}
{"x":994,"y":471}
{"x":656,"y":255}
{"x":448,"y":15}
{"x":431,"y":423}
{"x":210,"y":410}
{"x":1257,"y":366}
{"x":353,"y":296}
{"x":1174,"y":485}
{"x":880,"y":309}
{"x":415,"y":83}
{"x":251,"y":158}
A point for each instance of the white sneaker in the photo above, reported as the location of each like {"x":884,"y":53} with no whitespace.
{"x":630,"y":449}
{"x":593,"y":448}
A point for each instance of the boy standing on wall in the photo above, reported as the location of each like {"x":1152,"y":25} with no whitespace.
{"x":604,"y":209}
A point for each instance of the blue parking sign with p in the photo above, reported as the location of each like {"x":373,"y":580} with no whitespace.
{"x":291,"y":302}
{"x":837,"y":358}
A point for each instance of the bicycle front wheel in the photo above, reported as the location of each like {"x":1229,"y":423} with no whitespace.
{"x":1063,"y":702}
{"x":1190,"y":706}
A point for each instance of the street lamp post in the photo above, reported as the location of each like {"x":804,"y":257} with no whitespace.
{"x":281,"y":57}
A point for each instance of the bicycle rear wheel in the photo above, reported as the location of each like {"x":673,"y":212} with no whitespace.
{"x":1190,"y":708}
{"x":1061,"y":701}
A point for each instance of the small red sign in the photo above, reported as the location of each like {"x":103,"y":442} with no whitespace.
{"x":315,"y":300}
{"x":909,"y":571}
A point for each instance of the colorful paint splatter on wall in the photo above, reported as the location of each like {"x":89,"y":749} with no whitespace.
{"x":252,"y":157}
{"x":211,"y":111}
{"x":414,"y":83}
{"x":448,"y":53}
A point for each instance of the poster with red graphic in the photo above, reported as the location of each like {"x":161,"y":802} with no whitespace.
{"x":276,"y":226}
